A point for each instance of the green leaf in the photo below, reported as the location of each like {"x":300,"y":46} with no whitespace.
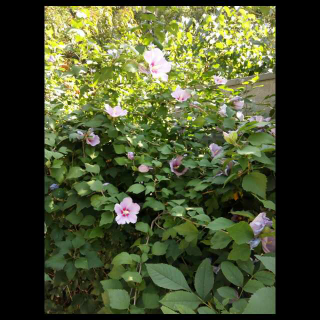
{"x":250,"y":150}
{"x":75,"y":172}
{"x":121,"y":161}
{"x":154,"y":204}
{"x":116,"y":272}
{"x":56,"y":262}
{"x":255,"y":182}
{"x":92,"y":168}
{"x":74,"y":218}
{"x":220,"y":223}
{"x":106,"y":217}
{"x":178,"y":211}
{"x":111,"y":284}
{"x":204,"y":278}
{"x":247,"y":266}
{"x":229,"y":123}
{"x":244,"y":214}
{"x":96,"y":233}
{"x":206,"y":310}
{"x":81,"y":263}
{"x":70,"y":270}
{"x":263,"y":159}
{"x":240,"y":252}
{"x":184,"y":310}
{"x":142,"y":226}
{"x":166,"y":149}
{"x":220,"y":240}
{"x":82,"y":188}
{"x":150,"y":297}
{"x":168,"y":277}
{"x":78,"y":242}
{"x":266,"y":277}
{"x":131,"y":66}
{"x":95,"y":185}
{"x":268,"y":262}
{"x":188,"y":230}
{"x":122,"y":258}
{"x":119,"y":148}
{"x":159,"y":248}
{"x":260,"y":138}
{"x":93,"y":260}
{"x":119,"y":299}
{"x":241,"y":232}
{"x":136,"y":188}
{"x":232,"y":273}
{"x":252,"y":286}
{"x":227,"y":292}
{"x":267,"y":203}
{"x":131,"y":276}
{"x":166,"y":310}
{"x":262,"y":302}
{"x":88,"y":221}
{"x":188,"y":299}
{"x":58,"y":174}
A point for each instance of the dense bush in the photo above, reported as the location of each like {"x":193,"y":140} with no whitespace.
{"x":159,"y":180}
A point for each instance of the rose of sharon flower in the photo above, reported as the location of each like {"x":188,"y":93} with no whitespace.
{"x":181,"y":95}
{"x":220,"y":80}
{"x":175,"y":164}
{"x":93,"y":139}
{"x":237,"y":102}
{"x":240,"y":116}
{"x":116,"y":111}
{"x":215,"y":149}
{"x":259,"y":223}
{"x":143,"y":168}
{"x":254,"y":243}
{"x":223,"y":111}
{"x":268,"y":244}
{"x":159,"y":66}
{"x":54,"y":186}
{"x":51,"y":59}
{"x":126,"y":211}
{"x":130,"y":155}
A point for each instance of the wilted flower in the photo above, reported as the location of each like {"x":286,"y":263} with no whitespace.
{"x":159,"y":66}
{"x":223,"y":110}
{"x":116,"y":111}
{"x":54,"y":186}
{"x":237,"y":102}
{"x":240,"y":116}
{"x":215,"y":149}
{"x":143,"y":168}
{"x":130,"y":155}
{"x":230,"y":137}
{"x":268,"y":244}
{"x":220,"y":80}
{"x":93,"y":139}
{"x":181,"y":95}
{"x":259,"y":223}
{"x":254,"y":243}
{"x":126,"y":211}
{"x":175,"y":164}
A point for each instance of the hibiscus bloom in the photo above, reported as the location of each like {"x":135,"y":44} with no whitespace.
{"x":143,"y":168}
{"x":175,"y":164}
{"x":223,"y":110}
{"x":126,"y":211}
{"x":237,"y":102}
{"x":240,"y":116}
{"x":220,"y":80}
{"x":93,"y":139}
{"x":268,"y":244}
{"x":116,"y":111}
{"x":215,"y":149}
{"x":159,"y":66}
{"x":259,"y":223}
{"x":181,"y":95}
{"x":130,"y":155}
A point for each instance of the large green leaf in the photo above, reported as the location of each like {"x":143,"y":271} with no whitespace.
{"x":252,"y":286}
{"x":136,"y":188}
{"x":56,"y":262}
{"x":260,"y":138}
{"x":75,"y":172}
{"x":240,"y":252}
{"x":232,"y":273}
{"x":92,"y":168}
{"x":220,"y":223}
{"x":204,"y":278}
{"x":188,"y":230}
{"x":122,"y":258}
{"x":241,"y":232}
{"x":131,"y":276}
{"x":262,"y":302}
{"x":255,"y":182}
{"x":168,"y":277}
{"x":188,"y":299}
{"x":159,"y":248}
{"x":250,"y":150}
{"x":119,"y":299}
{"x":268,"y":262}
{"x":220,"y":240}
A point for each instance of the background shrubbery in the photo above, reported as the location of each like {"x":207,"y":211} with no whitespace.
{"x":191,"y":249}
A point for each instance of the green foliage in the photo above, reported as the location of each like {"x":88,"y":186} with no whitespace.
{"x":188,"y":226}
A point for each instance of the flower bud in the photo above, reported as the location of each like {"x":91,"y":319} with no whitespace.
{"x":230,"y":137}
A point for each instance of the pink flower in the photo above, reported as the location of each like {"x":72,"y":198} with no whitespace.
{"x":273,"y":131}
{"x":260,"y":221}
{"x":220,"y":80}
{"x":143,"y":168}
{"x":215,"y":149}
{"x":116,"y":111}
{"x":268,"y":244}
{"x":159,"y":66}
{"x":175,"y":164}
{"x":237,"y":102}
{"x":240,"y":116}
{"x":181,"y":95}
{"x":93,"y":139}
{"x":126,"y":211}
{"x":130,"y":155}
{"x":223,"y":111}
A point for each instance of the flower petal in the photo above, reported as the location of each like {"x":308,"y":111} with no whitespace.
{"x":132,"y":218}
{"x":121,"y":219}
{"x":134,"y":208}
{"x":118,"y":208}
{"x":126,"y":202}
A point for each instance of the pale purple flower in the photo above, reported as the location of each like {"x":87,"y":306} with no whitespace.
{"x":240,"y":116}
{"x":80,"y":134}
{"x":116,"y":111}
{"x":259,"y":223}
{"x":257,"y":118}
{"x":215,"y":149}
{"x":51,"y":59}
{"x":130,"y":155}
{"x":54,"y":186}
{"x":237,"y":102}
{"x":273,"y":131}
{"x":220,"y":80}
{"x":159,"y":66}
{"x":126,"y":211}
{"x":143,"y":168}
{"x":268,"y":244}
{"x":223,"y":110}
{"x":181,"y":95}
{"x":254,"y":243}
{"x":93,"y":139}
{"x":175,"y":164}
{"x":142,"y":69}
